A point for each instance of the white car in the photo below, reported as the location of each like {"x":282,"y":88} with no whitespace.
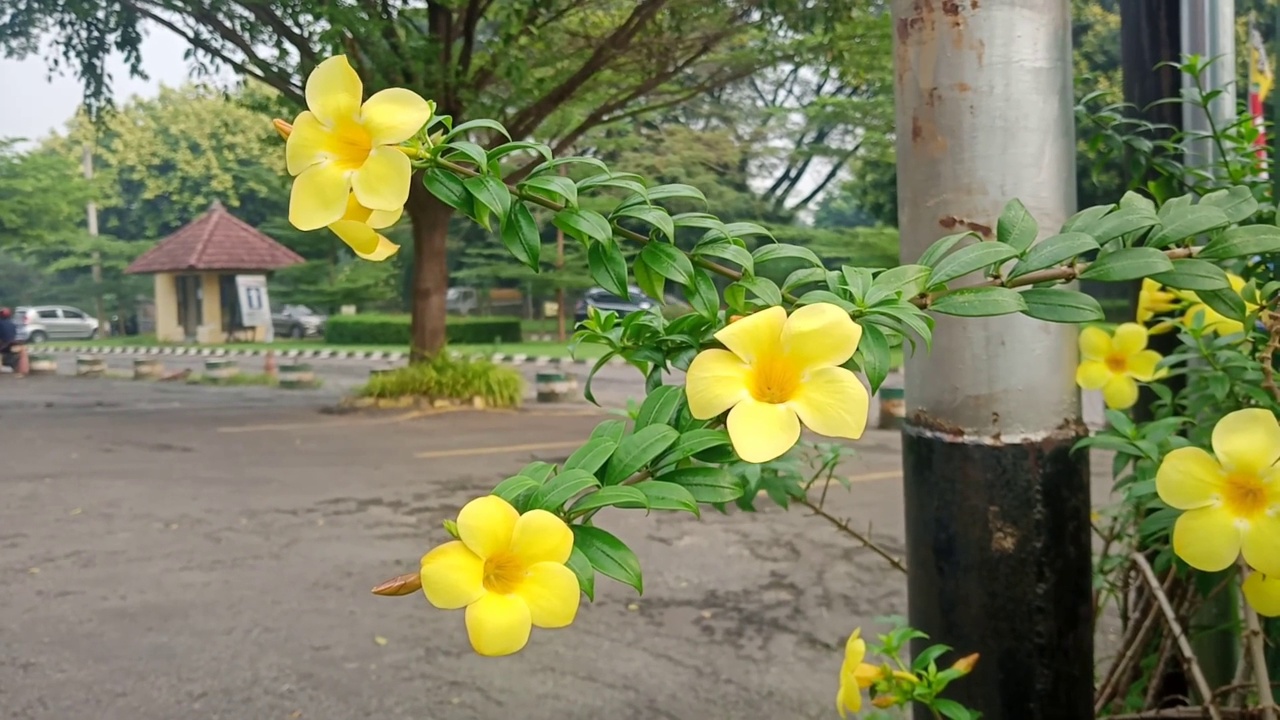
{"x":39,"y":323}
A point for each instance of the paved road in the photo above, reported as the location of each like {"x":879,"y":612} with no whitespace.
{"x":172,"y":551}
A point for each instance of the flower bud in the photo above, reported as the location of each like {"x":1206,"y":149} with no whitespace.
{"x":282,"y":127}
{"x":400,"y":585}
{"x":884,"y":701}
{"x":966,"y":663}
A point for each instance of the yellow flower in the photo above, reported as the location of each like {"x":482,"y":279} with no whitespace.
{"x":1153,"y":300}
{"x":855,"y":675}
{"x":508,"y":570}
{"x":1263,"y":594}
{"x":1214,"y":321}
{"x":1231,"y":498}
{"x":338,"y":146}
{"x":358,"y":229}
{"x":777,"y":373}
{"x":1114,"y":363}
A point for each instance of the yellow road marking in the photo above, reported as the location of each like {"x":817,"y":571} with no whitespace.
{"x":350,"y":422}
{"x":870,"y":477}
{"x":460,"y":452}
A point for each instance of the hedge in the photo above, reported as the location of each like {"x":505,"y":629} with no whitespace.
{"x":376,"y":329}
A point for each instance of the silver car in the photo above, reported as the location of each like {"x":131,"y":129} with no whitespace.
{"x":54,"y":322}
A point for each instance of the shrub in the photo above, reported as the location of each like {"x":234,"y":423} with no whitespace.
{"x":446,"y":378}
{"x":376,"y":329}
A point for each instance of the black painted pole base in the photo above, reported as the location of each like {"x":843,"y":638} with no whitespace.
{"x":998,"y":545}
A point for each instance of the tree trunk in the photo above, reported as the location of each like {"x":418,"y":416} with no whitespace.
{"x":430,"y":219}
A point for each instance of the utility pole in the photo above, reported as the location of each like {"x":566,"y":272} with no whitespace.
{"x":997,"y":506}
{"x":1208,"y":30}
{"x":92,"y":212}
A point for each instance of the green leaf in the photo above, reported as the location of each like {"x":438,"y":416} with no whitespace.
{"x":554,"y":187}
{"x":979,"y":302}
{"x":608,"y":555}
{"x":1127,"y":264}
{"x":1085,"y":217}
{"x":702,"y":294}
{"x":1016,"y":227}
{"x":706,"y":484}
{"x":676,"y":190}
{"x":873,"y":351}
{"x":652,"y":215}
{"x":1237,"y":203}
{"x":765,"y":253}
{"x":625,"y":181}
{"x":571,"y":160}
{"x":668,"y":261}
{"x":476,"y":124}
{"x":968,"y":259}
{"x":941,"y":247}
{"x":511,"y":147}
{"x":1227,"y":302}
{"x":623,"y":496}
{"x":763,"y":288}
{"x":467,"y":150}
{"x":538,"y":470}
{"x":1189,"y":274}
{"x":1062,"y":306}
{"x":728,"y":251}
{"x":668,"y":496}
{"x":695,"y":441}
{"x":857,"y":280}
{"x":611,"y":429}
{"x":562,"y":488}
{"x":448,"y":188}
{"x":951,"y":709}
{"x":1054,"y":251}
{"x":1121,"y":223}
{"x":660,"y":406}
{"x":637,"y":450}
{"x":805,"y":276}
{"x":1242,"y":241}
{"x":608,"y":267}
{"x":927,"y":656}
{"x":911,"y":280}
{"x":826,"y":296}
{"x":1186,"y":223}
{"x":591,"y":456}
{"x":584,"y":225}
{"x":515,"y":486}
{"x":520,"y":235}
{"x":581,"y":567}
{"x":650,"y":282}
{"x":746,"y":229}
{"x":1136,"y":201}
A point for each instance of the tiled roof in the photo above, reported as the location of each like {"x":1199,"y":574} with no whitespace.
{"x":216,"y":240}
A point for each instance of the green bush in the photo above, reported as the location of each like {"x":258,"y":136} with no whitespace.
{"x":375,"y":329}
{"x":446,"y":378}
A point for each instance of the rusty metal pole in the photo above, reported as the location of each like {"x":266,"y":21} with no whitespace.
{"x":997,"y":506}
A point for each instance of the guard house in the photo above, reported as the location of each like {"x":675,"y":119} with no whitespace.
{"x":195,"y":271}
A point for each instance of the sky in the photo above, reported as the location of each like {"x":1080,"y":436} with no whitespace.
{"x":45,"y":104}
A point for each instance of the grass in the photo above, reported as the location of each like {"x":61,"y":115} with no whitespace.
{"x":444,"y":378}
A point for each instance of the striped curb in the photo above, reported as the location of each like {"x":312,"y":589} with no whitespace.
{"x":516,"y":359}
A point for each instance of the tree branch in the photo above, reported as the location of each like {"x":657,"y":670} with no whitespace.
{"x":1257,"y":644}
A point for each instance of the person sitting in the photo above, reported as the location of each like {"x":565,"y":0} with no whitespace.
{"x":12,"y":351}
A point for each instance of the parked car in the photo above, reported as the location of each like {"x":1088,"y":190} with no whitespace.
{"x":297,"y":322}
{"x":39,"y":323}
{"x":601,"y":299}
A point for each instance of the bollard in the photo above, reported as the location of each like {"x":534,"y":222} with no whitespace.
{"x":893,"y":408}
{"x":147,"y":369}
{"x":221,"y":369}
{"x":554,"y":386}
{"x":294,"y":376}
{"x":90,"y":366}
{"x":43,"y":364}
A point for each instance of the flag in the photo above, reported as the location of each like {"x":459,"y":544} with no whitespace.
{"x":1261,"y":80}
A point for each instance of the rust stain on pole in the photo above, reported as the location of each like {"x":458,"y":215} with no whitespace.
{"x":951,"y":222}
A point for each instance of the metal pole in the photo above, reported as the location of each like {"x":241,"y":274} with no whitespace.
{"x":1208,"y":30}
{"x":92,"y":211}
{"x":997,"y":506}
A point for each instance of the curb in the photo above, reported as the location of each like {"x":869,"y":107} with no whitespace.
{"x":516,"y":359}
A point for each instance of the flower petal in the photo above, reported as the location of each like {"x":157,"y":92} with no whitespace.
{"x":385,"y":249}
{"x":865,"y":675}
{"x":1189,"y":478}
{"x":379,"y":219}
{"x":755,"y":336}
{"x":761,"y":431}
{"x":832,"y":401}
{"x":1247,"y":441}
{"x":848,"y":699}
{"x":820,"y":335}
{"x":1207,"y":538}
{"x":486,"y":525}
{"x":308,"y":143}
{"x":539,"y":536}
{"x":361,"y":238}
{"x":1093,"y":375}
{"x":452,"y":576}
{"x":1095,"y":343}
{"x":855,"y":649}
{"x":1129,"y":339}
{"x":334,"y":91}
{"x":1120,"y":392}
{"x":382,"y":183}
{"x":1263,"y":593}
{"x":319,"y":196}
{"x":1142,"y":365}
{"x":394,"y":115}
{"x":716,"y":381}
{"x":498,"y":624}
{"x":552,"y":594}
{"x":1260,"y":544}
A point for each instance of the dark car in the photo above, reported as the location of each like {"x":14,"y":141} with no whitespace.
{"x":602,"y":299}
{"x":298,"y":321}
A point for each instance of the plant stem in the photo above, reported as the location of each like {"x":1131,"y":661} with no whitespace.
{"x":1256,"y":643}
{"x":843,"y":527}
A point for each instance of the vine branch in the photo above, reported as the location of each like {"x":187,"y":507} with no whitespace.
{"x":1256,"y":644}
{"x":843,"y":526}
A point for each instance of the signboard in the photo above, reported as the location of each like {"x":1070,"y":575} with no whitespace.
{"x":255,"y":305}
